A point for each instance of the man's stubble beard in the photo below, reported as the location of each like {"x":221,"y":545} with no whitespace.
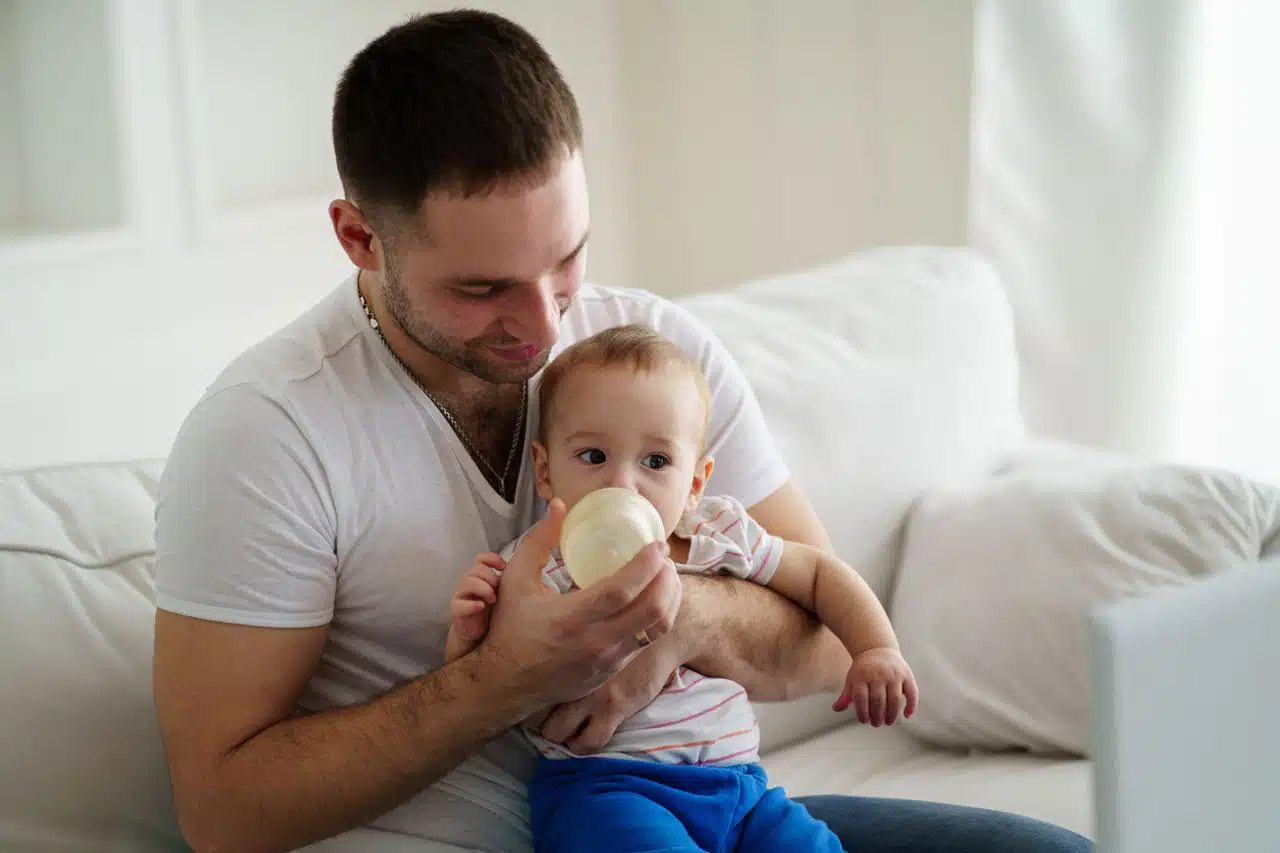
{"x":468,"y":356}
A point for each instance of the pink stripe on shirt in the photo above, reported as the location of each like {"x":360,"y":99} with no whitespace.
{"x":693,"y":716}
{"x":688,"y":686}
{"x":719,"y":558}
{"x":751,"y":748}
{"x":762,"y":562}
{"x":711,"y":521}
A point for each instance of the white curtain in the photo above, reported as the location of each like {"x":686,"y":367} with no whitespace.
{"x":1123,"y":177}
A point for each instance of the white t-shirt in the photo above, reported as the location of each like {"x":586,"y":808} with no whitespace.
{"x":315,"y":484}
{"x":696,"y":719}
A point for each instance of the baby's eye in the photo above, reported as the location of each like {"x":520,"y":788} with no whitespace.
{"x":592,"y":456}
{"x":656,"y":461}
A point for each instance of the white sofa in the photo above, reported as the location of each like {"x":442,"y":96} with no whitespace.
{"x":887,"y":377}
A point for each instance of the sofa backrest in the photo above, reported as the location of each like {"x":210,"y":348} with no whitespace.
{"x":882,"y":376}
{"x":83,"y":765}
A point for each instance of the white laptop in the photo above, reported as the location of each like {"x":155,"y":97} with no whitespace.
{"x":1185,"y":717}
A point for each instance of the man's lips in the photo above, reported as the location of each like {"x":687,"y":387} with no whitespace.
{"x":520,"y":353}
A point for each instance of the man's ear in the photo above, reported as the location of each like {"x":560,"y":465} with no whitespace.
{"x":356,"y":236}
{"x":701,"y":474}
{"x":542,"y":470}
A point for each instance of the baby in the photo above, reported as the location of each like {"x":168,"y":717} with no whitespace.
{"x":627,"y":408}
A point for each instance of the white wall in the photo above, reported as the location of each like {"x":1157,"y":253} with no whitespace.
{"x":725,"y":140}
{"x":772,"y":135}
{"x":54,"y":75}
{"x":11,"y":190}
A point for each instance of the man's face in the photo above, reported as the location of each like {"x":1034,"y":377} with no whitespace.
{"x":486,"y":287}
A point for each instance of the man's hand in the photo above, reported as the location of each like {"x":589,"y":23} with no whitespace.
{"x":878,"y":684}
{"x":551,"y":648}
{"x":585,"y":726}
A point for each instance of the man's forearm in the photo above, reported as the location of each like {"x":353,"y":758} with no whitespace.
{"x":774,"y":648}
{"x":305,"y":779}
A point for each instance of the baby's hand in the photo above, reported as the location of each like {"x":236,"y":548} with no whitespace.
{"x":477,"y":592}
{"x":877,"y":685}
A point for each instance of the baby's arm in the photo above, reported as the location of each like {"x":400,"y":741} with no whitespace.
{"x":841,"y":599}
{"x":469,"y":609}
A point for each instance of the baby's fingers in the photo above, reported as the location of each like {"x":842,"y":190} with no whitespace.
{"x":477,"y":588}
{"x":892,"y":702}
{"x":912,"y":693}
{"x":463,"y":607}
{"x":862,"y":701}
{"x":876,"y":702}
{"x":845,"y":699}
{"x":493,"y":561}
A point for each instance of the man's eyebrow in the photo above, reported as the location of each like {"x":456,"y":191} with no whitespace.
{"x":478,"y":282}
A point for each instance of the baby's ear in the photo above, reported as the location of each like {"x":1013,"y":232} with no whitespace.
{"x":542,"y":470}
{"x":701,"y":474}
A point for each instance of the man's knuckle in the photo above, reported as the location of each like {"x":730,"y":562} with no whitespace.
{"x":656,"y":614}
{"x":615,"y":598}
{"x":612,"y":702}
{"x":597,"y":650}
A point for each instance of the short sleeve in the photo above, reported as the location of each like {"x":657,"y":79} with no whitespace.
{"x":727,"y":540}
{"x":747,"y":464}
{"x":245,"y":523}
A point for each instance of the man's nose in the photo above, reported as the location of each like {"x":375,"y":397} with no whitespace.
{"x":537,"y":317}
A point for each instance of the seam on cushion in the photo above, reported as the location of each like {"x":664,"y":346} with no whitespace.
{"x":140,"y":464}
{"x":67,"y":558}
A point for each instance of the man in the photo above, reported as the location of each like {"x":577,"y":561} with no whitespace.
{"x":326,"y":492}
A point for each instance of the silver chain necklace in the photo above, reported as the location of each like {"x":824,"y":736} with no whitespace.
{"x":512,"y":454}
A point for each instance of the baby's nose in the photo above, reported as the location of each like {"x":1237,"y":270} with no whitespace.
{"x":621,"y":478}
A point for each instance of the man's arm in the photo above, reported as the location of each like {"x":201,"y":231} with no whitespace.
{"x":246,"y":777}
{"x":740,"y":630}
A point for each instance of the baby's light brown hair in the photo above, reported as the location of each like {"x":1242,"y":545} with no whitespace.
{"x":634,"y":346}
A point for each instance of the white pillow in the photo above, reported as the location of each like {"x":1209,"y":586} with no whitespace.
{"x":997,"y":579}
{"x":881,"y":376}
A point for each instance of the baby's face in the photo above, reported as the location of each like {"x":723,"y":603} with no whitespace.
{"x":619,"y":427}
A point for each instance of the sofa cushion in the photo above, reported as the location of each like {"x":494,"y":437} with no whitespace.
{"x":998,"y":578}
{"x":888,"y":762}
{"x":83,"y":762}
{"x":882,"y":375}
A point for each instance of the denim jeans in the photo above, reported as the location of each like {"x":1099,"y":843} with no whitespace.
{"x":872,"y":825}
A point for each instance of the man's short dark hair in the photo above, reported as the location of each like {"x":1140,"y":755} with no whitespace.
{"x":464,"y":100}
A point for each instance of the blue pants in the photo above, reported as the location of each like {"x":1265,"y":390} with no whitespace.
{"x":627,"y":806}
